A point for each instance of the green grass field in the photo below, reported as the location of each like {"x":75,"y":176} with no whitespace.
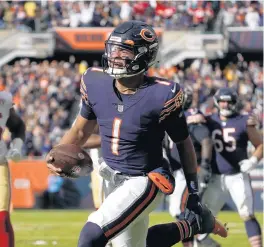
{"x":61,"y":228}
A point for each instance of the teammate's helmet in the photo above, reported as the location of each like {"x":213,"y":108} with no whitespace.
{"x":130,"y":49}
{"x":188,"y":97}
{"x":227,"y":95}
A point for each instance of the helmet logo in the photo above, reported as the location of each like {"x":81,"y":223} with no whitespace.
{"x":147,"y":35}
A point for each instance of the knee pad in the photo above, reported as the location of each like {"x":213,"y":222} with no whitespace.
{"x":92,"y":236}
{"x":5,"y":188}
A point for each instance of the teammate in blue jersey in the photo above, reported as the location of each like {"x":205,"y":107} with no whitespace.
{"x":202,"y":142}
{"x":133,"y":112}
{"x":231,"y":132}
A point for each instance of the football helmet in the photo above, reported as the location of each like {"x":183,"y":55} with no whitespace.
{"x":188,"y":97}
{"x":226,"y":95}
{"x":131,"y":49}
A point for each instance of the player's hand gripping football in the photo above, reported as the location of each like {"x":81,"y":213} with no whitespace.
{"x":51,"y":167}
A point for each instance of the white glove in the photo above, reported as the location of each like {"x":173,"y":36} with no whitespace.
{"x":249,"y":164}
{"x":14,"y":153}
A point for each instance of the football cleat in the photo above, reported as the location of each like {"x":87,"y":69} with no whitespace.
{"x":220,"y":229}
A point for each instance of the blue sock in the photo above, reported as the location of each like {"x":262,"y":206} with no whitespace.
{"x":252,"y":228}
{"x":92,"y":236}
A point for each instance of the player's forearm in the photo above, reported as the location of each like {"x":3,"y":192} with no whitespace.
{"x":206,"y":150}
{"x":19,"y":131}
{"x":258,"y":153}
{"x":189,"y":163}
{"x":187,"y":156}
{"x":94,"y":141}
{"x":80,"y":131}
{"x":75,"y":136}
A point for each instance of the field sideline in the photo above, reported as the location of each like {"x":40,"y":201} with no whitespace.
{"x":61,"y":228}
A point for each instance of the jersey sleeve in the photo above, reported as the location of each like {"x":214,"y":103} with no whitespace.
{"x":172,"y":116}
{"x":86,"y":106}
{"x":199,"y":132}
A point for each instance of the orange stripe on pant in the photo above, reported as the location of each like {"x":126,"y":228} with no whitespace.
{"x":131,"y":216}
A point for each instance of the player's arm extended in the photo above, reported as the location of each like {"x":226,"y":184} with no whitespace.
{"x":94,"y":141}
{"x":16,"y":125}
{"x":177,"y":129}
{"x":254,"y":137}
{"x":202,"y":134}
{"x":17,"y":128}
{"x":80,"y":131}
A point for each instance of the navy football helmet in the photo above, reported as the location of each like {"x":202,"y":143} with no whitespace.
{"x":131,"y":49}
{"x":226,"y":95}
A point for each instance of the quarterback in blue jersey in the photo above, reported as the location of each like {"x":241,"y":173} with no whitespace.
{"x":231,"y":132}
{"x":133,"y":111}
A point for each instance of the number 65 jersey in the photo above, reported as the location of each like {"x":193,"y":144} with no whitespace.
{"x":230,"y":141}
{"x":132,"y":126}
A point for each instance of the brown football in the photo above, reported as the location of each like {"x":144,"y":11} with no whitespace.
{"x":73,"y":160}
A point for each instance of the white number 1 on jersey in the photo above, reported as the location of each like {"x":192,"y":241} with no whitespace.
{"x":115,"y":135}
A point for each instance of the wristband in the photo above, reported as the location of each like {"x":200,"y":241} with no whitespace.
{"x":192,"y":183}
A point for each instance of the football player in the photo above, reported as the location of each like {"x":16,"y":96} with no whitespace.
{"x":203,"y":147}
{"x":133,"y":112}
{"x":9,"y":119}
{"x":231,"y":132}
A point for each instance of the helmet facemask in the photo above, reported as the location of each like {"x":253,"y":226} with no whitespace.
{"x":227,"y":111}
{"x":120,"y":60}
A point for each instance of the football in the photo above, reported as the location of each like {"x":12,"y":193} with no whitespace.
{"x":72,"y":159}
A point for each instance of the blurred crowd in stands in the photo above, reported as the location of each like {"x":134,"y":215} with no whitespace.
{"x":46,"y":94}
{"x":44,"y":15}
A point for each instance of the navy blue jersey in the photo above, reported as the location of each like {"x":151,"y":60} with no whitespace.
{"x":230,"y":142}
{"x":198,"y":132}
{"x":132,"y":126}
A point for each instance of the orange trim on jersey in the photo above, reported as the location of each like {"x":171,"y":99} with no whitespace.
{"x":167,"y":114}
{"x":168,"y":110}
{"x":184,"y":199}
{"x":132,"y":215}
{"x":163,"y":82}
{"x":173,"y":99}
